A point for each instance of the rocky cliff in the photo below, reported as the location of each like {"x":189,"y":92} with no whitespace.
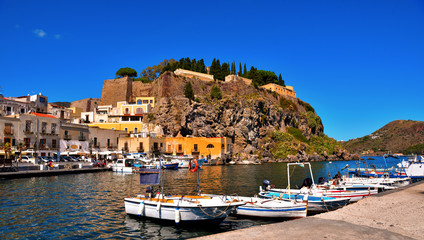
{"x":245,"y":114}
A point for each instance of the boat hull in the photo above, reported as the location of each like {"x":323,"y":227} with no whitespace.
{"x":216,"y":214}
{"x":122,"y":169}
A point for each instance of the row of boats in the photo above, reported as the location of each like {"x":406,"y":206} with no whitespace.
{"x":131,"y":163}
{"x":270,"y":202}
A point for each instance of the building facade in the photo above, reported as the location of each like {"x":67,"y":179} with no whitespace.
{"x":103,"y":140}
{"x":286,"y":91}
{"x":231,"y":78}
{"x":199,"y":147}
{"x":74,"y":138}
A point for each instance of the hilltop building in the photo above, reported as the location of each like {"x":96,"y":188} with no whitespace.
{"x":60,"y":112}
{"x":285,"y":91}
{"x":231,"y":78}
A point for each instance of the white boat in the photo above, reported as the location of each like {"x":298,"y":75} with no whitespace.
{"x":414,"y":168}
{"x":181,"y":209}
{"x":183,"y":161}
{"x":270,"y":208}
{"x":124,"y":165}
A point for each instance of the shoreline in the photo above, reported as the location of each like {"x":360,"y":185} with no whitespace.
{"x":395,"y":214}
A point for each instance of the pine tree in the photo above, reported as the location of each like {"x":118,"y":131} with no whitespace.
{"x":216,"y":92}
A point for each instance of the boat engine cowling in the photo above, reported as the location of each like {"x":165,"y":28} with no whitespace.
{"x":266,"y":184}
{"x":151,"y":191}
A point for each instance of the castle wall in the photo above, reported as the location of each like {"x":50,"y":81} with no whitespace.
{"x":115,"y":90}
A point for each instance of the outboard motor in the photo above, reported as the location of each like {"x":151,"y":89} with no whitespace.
{"x":321,"y":180}
{"x":150,"y":191}
{"x":266,"y":184}
{"x":307,"y":182}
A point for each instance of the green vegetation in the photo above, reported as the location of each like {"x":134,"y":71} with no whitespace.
{"x":188,"y":91}
{"x":187,"y":64}
{"x":287,"y":104}
{"x":220,"y":71}
{"x":313,"y":119}
{"x":415,"y":149}
{"x":122,"y":72}
{"x":307,"y":106}
{"x":216,"y":92}
{"x":296,"y":133}
{"x":149,"y":74}
{"x":291,"y":142}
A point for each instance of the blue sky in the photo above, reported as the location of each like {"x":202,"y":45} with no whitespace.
{"x":359,"y":63}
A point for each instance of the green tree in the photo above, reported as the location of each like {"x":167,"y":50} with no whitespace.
{"x":245,"y":70}
{"x":126,"y":72}
{"x":216,"y":92}
{"x":281,"y":81}
{"x":188,"y":91}
{"x":240,"y":70}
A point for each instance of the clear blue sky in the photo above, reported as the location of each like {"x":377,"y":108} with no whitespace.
{"x":359,"y":63}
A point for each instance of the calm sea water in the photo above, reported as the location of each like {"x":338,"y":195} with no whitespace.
{"x":91,"y":205}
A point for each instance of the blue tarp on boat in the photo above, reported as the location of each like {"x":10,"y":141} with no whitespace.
{"x":149,"y":176}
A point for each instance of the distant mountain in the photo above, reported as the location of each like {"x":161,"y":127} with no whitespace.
{"x":62,"y":104}
{"x":396,"y":136}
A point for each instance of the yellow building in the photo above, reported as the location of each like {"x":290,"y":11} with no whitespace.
{"x":76,"y":112}
{"x":198,"y":146}
{"x":286,"y":91}
{"x":141,"y":144}
{"x":129,"y":127}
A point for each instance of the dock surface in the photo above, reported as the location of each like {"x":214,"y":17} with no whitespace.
{"x":397,"y":214}
{"x":51,"y":172}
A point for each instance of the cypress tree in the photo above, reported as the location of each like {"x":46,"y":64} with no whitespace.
{"x":245,"y":71}
{"x":188,"y":91}
{"x":240,"y":70}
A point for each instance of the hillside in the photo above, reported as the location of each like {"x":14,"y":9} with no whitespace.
{"x":396,"y":137}
{"x":263,"y":125}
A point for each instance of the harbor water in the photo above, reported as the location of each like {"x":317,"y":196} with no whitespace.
{"x":91,"y":205}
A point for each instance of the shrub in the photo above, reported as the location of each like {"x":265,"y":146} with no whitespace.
{"x":287,"y":104}
{"x":216,"y":92}
{"x":296,"y":133}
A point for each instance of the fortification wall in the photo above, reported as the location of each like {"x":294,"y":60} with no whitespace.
{"x":140,"y":89}
{"x":115,"y":90}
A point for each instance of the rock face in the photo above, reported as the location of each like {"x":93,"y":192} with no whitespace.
{"x":244,"y":114}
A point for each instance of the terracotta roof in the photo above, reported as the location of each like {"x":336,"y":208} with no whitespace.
{"x":43,"y":115}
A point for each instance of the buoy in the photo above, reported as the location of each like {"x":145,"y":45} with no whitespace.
{"x":177,"y":215}
{"x":158,"y":207}
{"x":196,"y":165}
{"x":140,"y":208}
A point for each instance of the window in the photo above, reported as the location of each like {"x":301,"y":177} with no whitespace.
{"x":66,"y":132}
{"x":53,"y":143}
{"x":22,"y":110}
{"x":127,"y":111}
{"x":161,"y":145}
{"x":210,"y":146}
{"x":42,"y":143}
{"x":139,"y":111}
{"x":13,"y":142}
{"x":108,"y":142}
{"x":180,"y":147}
{"x":151,"y":101}
{"x":140,"y":147}
{"x":155,"y":146}
{"x":27,"y":142}
{"x":145,"y":101}
{"x":195,"y":148}
{"x":28,"y":126}
{"x":117,"y":140}
{"x":135,"y":130}
{"x":126,"y":129}
{"x":95,"y":141}
{"x":139,"y":102}
{"x":53,"y":128}
{"x":43,"y":127}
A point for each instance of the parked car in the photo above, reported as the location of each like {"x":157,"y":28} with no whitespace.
{"x":28,"y":159}
{"x":42,"y":159}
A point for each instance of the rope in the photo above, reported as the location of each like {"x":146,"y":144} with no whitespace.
{"x":200,"y":206}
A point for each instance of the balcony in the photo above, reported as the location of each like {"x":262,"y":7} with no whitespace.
{"x":195,"y":150}
{"x":82,"y":138}
{"x":67,"y":137}
{"x":28,"y":131}
{"x":8,"y":131}
{"x":110,"y":147}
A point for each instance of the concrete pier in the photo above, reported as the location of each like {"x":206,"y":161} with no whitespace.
{"x":397,"y":214}
{"x":51,"y":172}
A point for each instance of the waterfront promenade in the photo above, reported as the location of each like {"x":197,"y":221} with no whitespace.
{"x":397,"y":214}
